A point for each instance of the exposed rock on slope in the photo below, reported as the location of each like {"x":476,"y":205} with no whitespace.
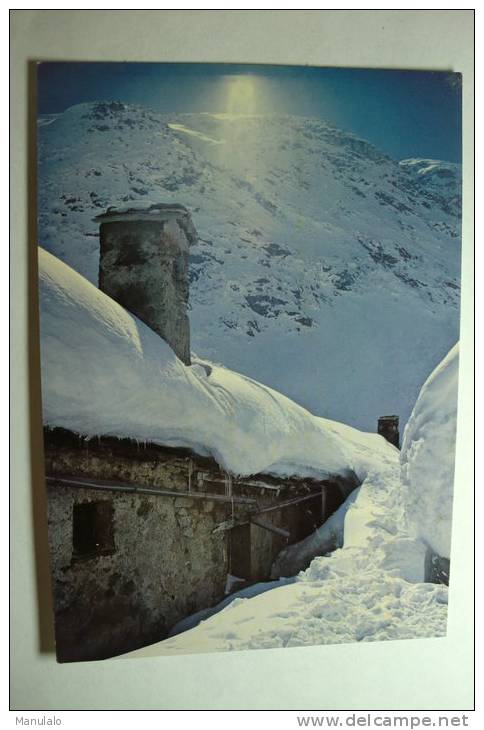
{"x":324,"y":268}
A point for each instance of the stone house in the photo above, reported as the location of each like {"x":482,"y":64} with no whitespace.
{"x":142,"y":536}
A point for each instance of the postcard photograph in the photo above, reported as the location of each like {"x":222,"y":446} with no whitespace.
{"x":249,"y":293}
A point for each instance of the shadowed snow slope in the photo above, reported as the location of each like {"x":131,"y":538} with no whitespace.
{"x":106,"y":373}
{"x":324,"y":268}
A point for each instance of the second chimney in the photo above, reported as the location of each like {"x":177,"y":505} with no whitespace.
{"x":388,"y":428}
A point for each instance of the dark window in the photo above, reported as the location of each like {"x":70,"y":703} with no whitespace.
{"x":239,"y":565}
{"x":92,"y":529}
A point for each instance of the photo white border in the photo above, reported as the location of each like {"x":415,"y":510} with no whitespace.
{"x":430,"y":674}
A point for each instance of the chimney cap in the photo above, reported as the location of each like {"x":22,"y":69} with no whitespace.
{"x":157,"y":212}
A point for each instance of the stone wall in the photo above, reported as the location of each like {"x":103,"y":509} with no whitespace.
{"x":166,"y":565}
{"x":173,"y":527}
{"x":167,"y":562}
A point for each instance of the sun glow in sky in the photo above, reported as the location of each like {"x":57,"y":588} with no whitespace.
{"x":241,"y":94}
{"x":404,"y":113}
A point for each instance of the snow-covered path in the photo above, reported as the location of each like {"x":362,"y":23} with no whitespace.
{"x":356,"y":594}
{"x":372,"y":586}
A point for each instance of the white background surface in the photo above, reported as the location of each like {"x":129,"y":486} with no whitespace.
{"x":420,"y":674}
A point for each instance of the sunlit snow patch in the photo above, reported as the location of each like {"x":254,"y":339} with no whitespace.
{"x":195,"y":133}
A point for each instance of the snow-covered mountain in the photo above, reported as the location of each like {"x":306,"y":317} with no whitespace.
{"x":324,"y":268}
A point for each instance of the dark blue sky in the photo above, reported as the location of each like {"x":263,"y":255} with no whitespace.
{"x":404,"y":113}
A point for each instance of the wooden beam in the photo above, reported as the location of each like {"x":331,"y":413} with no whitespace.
{"x":289,"y":503}
{"x":205,"y":477}
{"x":140,"y":489}
{"x":271,"y":528}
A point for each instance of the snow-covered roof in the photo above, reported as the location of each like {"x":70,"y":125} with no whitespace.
{"x":104,"y":372}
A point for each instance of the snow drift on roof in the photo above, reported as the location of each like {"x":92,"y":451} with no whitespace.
{"x":106,"y":373}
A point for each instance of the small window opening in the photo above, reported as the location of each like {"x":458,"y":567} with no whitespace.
{"x":92,"y":529}
{"x":240,"y":548}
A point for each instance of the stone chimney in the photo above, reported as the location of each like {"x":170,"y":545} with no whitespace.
{"x":143,"y":265}
{"x":388,"y":428}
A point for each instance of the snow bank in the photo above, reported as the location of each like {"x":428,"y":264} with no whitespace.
{"x":373,"y":508}
{"x":327,"y":538}
{"x":337,"y":607}
{"x":417,"y":508}
{"x":373,"y":587}
{"x":254,"y":590}
{"x":428,"y":456}
{"x":106,"y":373}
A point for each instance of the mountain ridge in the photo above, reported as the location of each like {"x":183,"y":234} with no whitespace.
{"x":324,"y":268}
